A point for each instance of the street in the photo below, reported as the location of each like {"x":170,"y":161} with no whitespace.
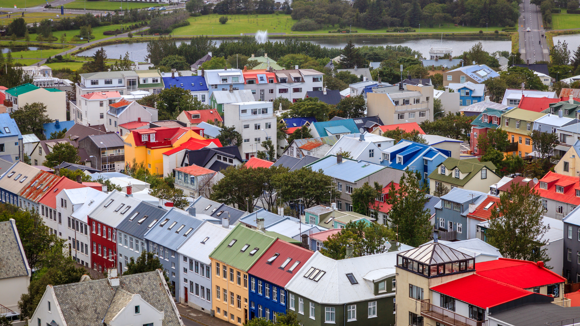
{"x":533,"y":46}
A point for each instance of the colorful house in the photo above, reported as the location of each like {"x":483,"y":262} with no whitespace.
{"x":560,"y":194}
{"x":408,"y":155}
{"x":488,"y":119}
{"x":519,"y":123}
{"x":469,"y":92}
{"x":405,"y":127}
{"x":148,"y":145}
{"x":195,"y":117}
{"x":470,"y":174}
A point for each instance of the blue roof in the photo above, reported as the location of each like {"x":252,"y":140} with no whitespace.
{"x":8,"y":127}
{"x":210,"y":130}
{"x":458,"y":195}
{"x":269,"y":218}
{"x":337,"y":130}
{"x":191,"y":83}
{"x":410,"y":151}
{"x":51,"y":127}
{"x":167,"y":235}
{"x":479,"y":73}
{"x":146,"y":211}
{"x":573,"y":128}
{"x":347,"y":123}
{"x":492,"y":112}
{"x":349,"y":170}
{"x":298,"y":122}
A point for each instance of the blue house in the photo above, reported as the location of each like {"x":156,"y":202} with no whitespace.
{"x":163,"y":239}
{"x":333,"y":128}
{"x":408,"y":155}
{"x":196,"y":85}
{"x":56,"y":126}
{"x":11,"y":141}
{"x":269,"y":276}
{"x":452,"y":214}
{"x":469,"y":93}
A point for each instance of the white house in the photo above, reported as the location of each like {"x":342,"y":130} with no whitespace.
{"x":91,"y":108}
{"x":294,"y":84}
{"x":362,"y":147}
{"x":124,"y":111}
{"x":123,"y":82}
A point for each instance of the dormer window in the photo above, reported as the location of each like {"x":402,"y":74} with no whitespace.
{"x":577,"y":193}
{"x":518,"y":123}
{"x":507,"y":122}
{"x":484,"y":117}
{"x":457,"y":173}
{"x":152,"y":137}
{"x":560,"y":189}
{"x":399,"y":159}
{"x":543,"y":185}
{"x":442,"y":169}
{"x":144,"y":137}
{"x":386,"y":157}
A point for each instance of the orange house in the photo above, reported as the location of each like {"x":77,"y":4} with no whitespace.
{"x":148,"y":145}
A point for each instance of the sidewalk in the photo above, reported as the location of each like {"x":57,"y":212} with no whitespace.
{"x":198,"y":316}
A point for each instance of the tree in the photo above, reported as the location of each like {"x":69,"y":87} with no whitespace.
{"x":576,"y":59}
{"x":18,"y":27}
{"x":366,"y":239}
{"x":270,"y":150}
{"x":363,"y":198}
{"x":544,"y":143}
{"x":214,"y":63}
{"x":31,"y":118}
{"x":45,"y":28}
{"x":351,"y":56}
{"x":347,"y":77}
{"x":408,"y":215}
{"x":99,"y":62}
{"x":58,"y":134}
{"x":282,"y":102}
{"x":149,"y":100}
{"x":239,"y":186}
{"x":175,"y":62}
{"x":172,"y":194}
{"x":146,"y":262}
{"x":86,"y":32}
{"x":452,"y":126}
{"x":4,"y":321}
{"x":516,"y":226}
{"x":194,"y":6}
{"x":302,"y":133}
{"x":440,"y":190}
{"x":73,"y":175}
{"x":438,"y":109}
{"x":123,"y":64}
{"x":230,"y":136}
{"x":415,"y":14}
{"x":495,"y":88}
{"x":560,"y":53}
{"x":310,"y":107}
{"x":62,"y":152}
{"x":437,"y":80}
{"x":352,"y":107}
{"x":110,"y":186}
{"x":398,"y":135}
{"x":494,"y":156}
{"x":223,"y":20}
{"x":171,"y":101}
{"x":494,"y":138}
{"x":306,"y":187}
{"x":288,"y":319}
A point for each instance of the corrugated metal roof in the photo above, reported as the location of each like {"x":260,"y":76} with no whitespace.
{"x":552,"y":120}
{"x":213,"y":76}
{"x":30,"y":138}
{"x":212,"y":208}
{"x":269,"y":218}
{"x":293,"y":228}
{"x":27,"y":172}
{"x":348,"y":170}
{"x":137,"y":223}
{"x":173,"y":229}
{"x":93,"y":200}
{"x":39,"y":186}
{"x":107,"y":140}
{"x":229,"y":251}
{"x":116,"y":207}
{"x":49,"y":199}
{"x":210,"y":130}
{"x":198,"y":247}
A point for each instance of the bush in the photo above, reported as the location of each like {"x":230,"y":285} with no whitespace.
{"x":223,"y":19}
{"x":556,"y":10}
{"x":480,"y":31}
{"x":575,"y":11}
{"x":306,"y":25}
{"x":181,"y":24}
{"x":115,"y":32}
{"x":496,"y":31}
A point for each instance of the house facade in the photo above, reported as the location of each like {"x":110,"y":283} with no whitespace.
{"x":488,"y":119}
{"x":128,"y":111}
{"x":452,"y":214}
{"x":223,"y":80}
{"x":196,"y":86}
{"x":16,"y":275}
{"x":470,"y":174}
{"x":106,"y":152}
{"x":54,"y":100}
{"x":362,"y":147}
{"x":571,"y":252}
{"x":220,"y":98}
{"x":14,"y":180}
{"x":294,"y":84}
{"x":91,"y":108}
{"x":195,"y":180}
{"x":123,"y":82}
{"x":469,"y":93}
{"x":475,"y":73}
{"x":402,"y":103}
{"x":11,"y":140}
{"x":519,"y":124}
{"x":559,"y":194}
{"x":262,"y":84}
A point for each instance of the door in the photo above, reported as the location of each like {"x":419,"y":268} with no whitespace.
{"x":185,"y":293}
{"x":261,"y":95}
{"x":245,"y":315}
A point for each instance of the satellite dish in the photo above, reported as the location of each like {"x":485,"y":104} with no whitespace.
{"x":535,"y":180}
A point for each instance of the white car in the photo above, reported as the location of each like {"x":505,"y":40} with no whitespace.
{"x":528,"y":30}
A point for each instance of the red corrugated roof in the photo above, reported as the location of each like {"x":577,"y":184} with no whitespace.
{"x":94,"y":185}
{"x":290,"y":131}
{"x":406,"y":127}
{"x":39,"y":186}
{"x":164,"y":137}
{"x":520,"y":273}
{"x":272,"y":272}
{"x":133,"y":124}
{"x":323,"y":236}
{"x":195,"y":170}
{"x":49,"y":198}
{"x":121,"y":103}
{"x":253,"y":74}
{"x":482,"y":214}
{"x":519,"y":180}
{"x":194,"y":144}
{"x":255,"y":162}
{"x":569,"y":183}
{"x":538,"y":104}
{"x":204,"y":116}
{"x":574,"y":298}
{"x":101,"y":95}
{"x":481,"y":291}
{"x":311,"y":144}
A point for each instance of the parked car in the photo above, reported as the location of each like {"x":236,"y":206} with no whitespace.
{"x":162,"y":8}
{"x":150,"y":8}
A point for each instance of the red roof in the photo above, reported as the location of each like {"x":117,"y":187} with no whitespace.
{"x":194,"y":144}
{"x":255,"y":162}
{"x":323,"y":236}
{"x":271,"y":272}
{"x":101,"y":95}
{"x":481,"y":291}
{"x":253,"y":75}
{"x":406,"y":127}
{"x":94,"y":185}
{"x":538,"y":104}
{"x":49,"y":199}
{"x":519,"y":180}
{"x":290,"y":131}
{"x":195,"y":170}
{"x":520,"y":273}
{"x":311,"y":144}
{"x":574,"y":298}
{"x":121,"y":103}
{"x":38,"y":186}
{"x":381,"y":206}
{"x":133,"y":125}
{"x":483,"y":211}
{"x":164,"y":137}
{"x":569,"y":183}
{"x":204,"y":116}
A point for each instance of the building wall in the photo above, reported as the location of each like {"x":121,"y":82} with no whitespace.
{"x":147,"y":315}
{"x":453,"y":147}
{"x":479,"y":184}
{"x":223,"y":310}
{"x":13,"y":147}
{"x":456,"y":78}
{"x":474,"y":139}
{"x":12,"y":289}
{"x":193,"y":282}
{"x":55,"y":102}
{"x":71,"y":229}
{"x":449,"y":102}
{"x":572,"y":242}
{"x":97,"y":258}
{"x":91,"y":110}
{"x":42,"y":315}
{"x":571,"y":157}
{"x":552,"y":206}
{"x":128,"y":249}
{"x":450,"y":215}
{"x":553,"y":250}
{"x":169,"y":258}
{"x":380,"y":104}
{"x":263,"y":92}
{"x":273,"y":304}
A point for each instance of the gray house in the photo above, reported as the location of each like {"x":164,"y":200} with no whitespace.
{"x":166,"y":237}
{"x":131,"y":232}
{"x":217,"y":210}
{"x":572,"y":246}
{"x":451,"y":214}
{"x":105,"y":152}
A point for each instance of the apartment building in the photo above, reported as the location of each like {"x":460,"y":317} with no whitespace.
{"x":223,"y":80}
{"x":558,"y":193}
{"x":91,"y":108}
{"x":150,"y":81}
{"x":262,"y":84}
{"x":106,"y":152}
{"x":123,"y":82}
{"x":402,"y":103}
{"x":294,"y":84}
{"x":16,"y":178}
{"x":488,"y":119}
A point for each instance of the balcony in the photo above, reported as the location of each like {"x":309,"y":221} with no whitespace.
{"x":112,"y":158}
{"x":448,"y":236}
{"x":512,"y":147}
{"x":445,"y":316}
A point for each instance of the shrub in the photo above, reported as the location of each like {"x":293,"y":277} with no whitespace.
{"x":305,"y":25}
{"x":223,"y":19}
{"x":130,"y":35}
{"x":496,"y":31}
{"x":556,"y":10}
{"x":480,"y":31}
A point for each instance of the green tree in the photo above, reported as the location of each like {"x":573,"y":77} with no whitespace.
{"x":124,"y":64}
{"x":230,"y":136}
{"x":494,"y":156}
{"x":544,"y":143}
{"x":149,"y":100}
{"x":240,"y":61}
{"x":72,"y":175}
{"x":452,"y":125}
{"x":286,"y":104}
{"x":171,"y":101}
{"x":512,"y":164}
{"x":18,"y":27}
{"x":146,"y":262}
{"x":270,"y":150}
{"x":351,"y":56}
{"x":302,"y":133}
{"x":438,"y":111}
{"x":516,"y":226}
{"x":62,"y":152}
{"x":58,"y":134}
{"x":495,"y":88}
{"x":110,"y":186}
{"x":215,"y":63}
{"x":437,"y":80}
{"x":310,"y":107}
{"x":560,"y":54}
{"x":408,"y":215}
{"x":31,"y":119}
{"x":4,"y":321}
{"x":365,"y":239}
{"x":27,"y":36}
{"x":99,"y":62}
{"x":415,"y":14}
{"x":363,"y":198}
{"x":175,"y":62}
{"x":172,"y":194}
{"x":347,"y":77}
{"x":239,"y":186}
{"x":223,"y":20}
{"x":352,"y":107}
{"x":44,"y":28}
{"x":307,"y":187}
{"x":576,"y":59}
{"x":494,"y":138}
{"x":86,"y":32}
{"x":440,"y":190}
{"x":194,"y":6}
{"x":398,"y":134}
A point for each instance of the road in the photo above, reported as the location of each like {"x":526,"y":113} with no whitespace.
{"x":533,"y":46}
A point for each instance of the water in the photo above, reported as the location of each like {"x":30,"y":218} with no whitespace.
{"x":138,"y":51}
{"x":572,"y":40}
{"x":22,"y":48}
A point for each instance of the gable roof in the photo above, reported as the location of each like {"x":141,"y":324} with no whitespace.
{"x":410,"y":151}
{"x":521,"y":273}
{"x":323,"y":235}
{"x":21,"y":89}
{"x":484,"y":210}
{"x":537,"y":104}
{"x":347,"y":125}
{"x":482,"y":106}
{"x":27,"y":172}
{"x":200,"y":61}
{"x":12,"y":255}
{"x":240,"y":237}
{"x":435,"y":253}
{"x":297,"y":122}
{"x":269,"y":265}
{"x":163,"y":136}
{"x":519,"y":180}
{"x":552,"y":120}
{"x":91,"y":203}
{"x":212,"y":208}
{"x":238,"y":96}
{"x":114,"y":209}
{"x":210,"y":130}
{"x":286,"y":161}
{"x":190,"y":83}
{"x":202,"y":156}
{"x":195,"y":170}
{"x":173,"y":229}
{"x":74,"y":167}
{"x":204,"y":115}
{"x":538,"y":67}
{"x":87,"y":303}
{"x":8,"y":127}
{"x":479,"y":122}
{"x":328,"y":96}
{"x":479,"y":73}
{"x":205,"y":239}
{"x":39,"y":186}
{"x":79,"y":131}
{"x":569,"y":183}
{"x":259,"y":76}
{"x":309,"y":144}
{"x":101,"y":95}
{"x":52,"y":127}
{"x":137,"y":223}
{"x":269,"y":218}
{"x":193,"y":144}
{"x":49,"y":199}
{"x":470,"y":167}
{"x":134,"y":124}
{"x":406,"y":127}
{"x":255,"y":162}
{"x":107,"y":140}
{"x":477,"y":89}
{"x":349,"y":170}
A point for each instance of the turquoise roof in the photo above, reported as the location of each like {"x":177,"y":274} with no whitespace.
{"x":493,"y":112}
{"x":348,"y":124}
{"x":21,"y":89}
{"x":337,"y":130}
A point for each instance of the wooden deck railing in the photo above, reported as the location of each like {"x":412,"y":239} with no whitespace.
{"x":446,"y":316}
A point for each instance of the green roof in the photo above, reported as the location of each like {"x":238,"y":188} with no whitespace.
{"x":157,"y":85}
{"x":282,"y":237}
{"x":569,"y":109}
{"x":53,"y":90}
{"x":21,"y":89}
{"x":342,"y":217}
{"x":524,"y":115}
{"x":233,"y":256}
{"x":264,"y":65}
{"x":469,"y":167}
{"x":262,"y":59}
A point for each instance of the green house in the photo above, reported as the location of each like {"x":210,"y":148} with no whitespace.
{"x":353,"y":291}
{"x":329,"y":218}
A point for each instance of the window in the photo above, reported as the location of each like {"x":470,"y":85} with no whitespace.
{"x":554,"y":290}
{"x":415,"y":292}
{"x":253,"y":285}
{"x":543,"y":185}
{"x":225,"y":296}
{"x":560,"y":209}
{"x":528,"y":141}
{"x":570,"y":232}
{"x":401,"y":116}
{"x":351,"y":278}
{"x":246,"y":281}
{"x":312,"y":314}
{"x":422,"y":114}
{"x":449,"y":77}
{"x":394,"y":285}
{"x":259,"y":287}
{"x":231,"y":274}
{"x":484,"y":173}
{"x":459,"y":228}
{"x":351,"y":312}
{"x":372,"y":309}
{"x":267,"y":286}
{"x":137,"y":309}
{"x":259,"y":311}
{"x":371,"y":153}
{"x":217,"y":268}
{"x":447,"y":302}
{"x":382,"y":287}
{"x":566,"y":166}
{"x":274,"y":293}
{"x":225,"y":272}
{"x":457,"y":175}
{"x":239,"y":278}
{"x":348,"y":189}
{"x":569,"y":255}
{"x":291,"y":297}
{"x":301,"y":306}
{"x":442,"y":169}
{"x":476,"y":313}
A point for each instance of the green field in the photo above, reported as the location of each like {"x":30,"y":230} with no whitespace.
{"x":108,"y":5}
{"x":21,"y":4}
{"x":32,"y":17}
{"x":565,"y":20}
{"x":61,"y":65}
{"x":97,"y":32}
{"x":237,"y":24}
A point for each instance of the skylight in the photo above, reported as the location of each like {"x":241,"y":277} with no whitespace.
{"x":21,"y":181}
{"x":271,"y":260}
{"x":309,"y":272}
{"x":296,"y":263}
{"x":488,"y":205}
{"x":187,"y":232}
{"x":164,"y":222}
{"x":208,"y":207}
{"x":125,"y":210}
{"x":171,"y":226}
{"x":109,"y":202}
{"x":152,"y":223}
{"x":204,"y":240}
{"x":246,"y":246}
{"x":329,"y":220}
{"x":34,"y":184}
{"x":55,"y":189}
{"x":11,"y":174}
{"x":232,"y":242}
{"x":286,"y":262}
{"x":91,"y":202}
{"x":351,"y":278}
{"x":119,"y":208}
{"x":319,"y":276}
{"x":180,"y":228}
{"x":132,"y":216}
{"x":45,"y":189}
{"x":254,"y":251}
{"x":142,"y":219}
{"x":7,"y":130}
{"x":18,"y":176}
{"x":220,"y":213}
{"x":313,"y":275}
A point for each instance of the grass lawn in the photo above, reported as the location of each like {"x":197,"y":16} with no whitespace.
{"x":21,"y":4}
{"x":36,"y":54}
{"x":97,"y":32}
{"x":107,"y":5}
{"x":565,"y":21}
{"x":70,"y":65}
{"x":237,"y":24}
{"x":31,"y":17}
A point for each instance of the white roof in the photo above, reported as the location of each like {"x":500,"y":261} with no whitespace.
{"x":552,"y":120}
{"x":88,"y":207}
{"x":478,"y":89}
{"x":30,"y":138}
{"x":540,"y":74}
{"x":571,"y":79}
{"x":473,"y":247}
{"x":334,"y":287}
{"x":345,"y":92}
{"x":370,"y":137}
{"x":435,"y":139}
{"x":212,"y":77}
{"x":437,"y":93}
{"x":291,"y":228}
{"x":225,"y":97}
{"x":481,"y":106}
{"x":123,"y":182}
{"x":516,"y":94}
{"x":573,"y":217}
{"x":81,"y":195}
{"x":194,"y":246}
{"x":144,"y":195}
{"x":112,"y":215}
{"x":347,"y":144}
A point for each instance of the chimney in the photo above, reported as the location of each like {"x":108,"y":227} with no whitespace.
{"x":173,"y":73}
{"x":231,"y":88}
{"x":57,"y":123}
{"x":540,"y":264}
{"x":225,"y":222}
{"x":333,"y":206}
{"x":571,"y":99}
{"x":361,"y":137}
{"x":339,"y":158}
{"x":305,"y":241}
{"x":104,"y":189}
{"x":394,"y":245}
{"x":296,"y":67}
{"x":112,"y":277}
{"x":487,"y":99}
{"x":260,"y":224}
{"x":324,"y":91}
{"x":560,"y":113}
{"x":79,"y":179}
{"x":472,"y":208}
{"x":139,"y":119}
{"x":349,"y":251}
{"x":202,"y":72}
{"x":129,"y":190}
{"x":191,"y":211}
{"x":252,"y":55}
{"x":160,"y":203}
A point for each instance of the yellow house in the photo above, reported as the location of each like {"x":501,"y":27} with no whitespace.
{"x":231,"y":261}
{"x":519,"y":124}
{"x":148,"y":145}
